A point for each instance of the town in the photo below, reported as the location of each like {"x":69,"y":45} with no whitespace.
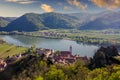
{"x":57,"y":57}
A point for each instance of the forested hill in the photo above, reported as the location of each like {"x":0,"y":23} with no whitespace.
{"x":4,"y":21}
{"x":33,"y":22}
{"x":82,"y":21}
{"x":105,"y":20}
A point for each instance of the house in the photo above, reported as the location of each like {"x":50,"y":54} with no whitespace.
{"x":47,"y":52}
{"x":3,"y":64}
{"x":65,"y":57}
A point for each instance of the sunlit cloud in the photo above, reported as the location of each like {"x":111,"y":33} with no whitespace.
{"x":108,"y":4}
{"x":21,"y":1}
{"x":77,"y":4}
{"x":47,"y":8}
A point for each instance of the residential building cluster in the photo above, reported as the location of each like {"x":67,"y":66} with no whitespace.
{"x":3,"y":64}
{"x":62,"y":57}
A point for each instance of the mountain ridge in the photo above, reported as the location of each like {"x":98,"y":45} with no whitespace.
{"x":53,"y":20}
{"x":104,"y":21}
{"x":4,"y":21}
{"x":33,"y":22}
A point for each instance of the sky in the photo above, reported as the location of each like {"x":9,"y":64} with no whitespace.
{"x":16,"y":8}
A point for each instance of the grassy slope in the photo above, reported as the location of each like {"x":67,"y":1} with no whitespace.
{"x":9,"y":50}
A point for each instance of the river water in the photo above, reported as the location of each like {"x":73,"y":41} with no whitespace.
{"x":56,"y":44}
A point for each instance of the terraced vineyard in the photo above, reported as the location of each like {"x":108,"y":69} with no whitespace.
{"x":9,"y":50}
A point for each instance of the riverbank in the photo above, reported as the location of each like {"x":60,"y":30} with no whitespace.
{"x":87,"y":37}
{"x":56,"y":44}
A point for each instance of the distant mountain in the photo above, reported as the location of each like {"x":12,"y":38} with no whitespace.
{"x":82,"y":21}
{"x":83,"y":17}
{"x":33,"y":22}
{"x":10,"y":18}
{"x":27,"y":22}
{"x":5,"y":20}
{"x":106,"y":20}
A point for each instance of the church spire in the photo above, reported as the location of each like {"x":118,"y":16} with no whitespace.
{"x":71,"y":49}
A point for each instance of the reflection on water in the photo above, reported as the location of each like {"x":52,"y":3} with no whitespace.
{"x":56,"y":44}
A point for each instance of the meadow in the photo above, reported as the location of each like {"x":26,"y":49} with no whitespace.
{"x":10,"y":50}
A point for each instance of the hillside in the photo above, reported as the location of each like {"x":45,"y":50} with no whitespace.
{"x":82,"y":21}
{"x":4,"y":21}
{"x":10,"y":50}
{"x":10,"y":19}
{"x":32,"y":66}
{"x":106,"y":20}
{"x":33,"y":22}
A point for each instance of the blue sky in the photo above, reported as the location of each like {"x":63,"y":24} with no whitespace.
{"x":11,"y":8}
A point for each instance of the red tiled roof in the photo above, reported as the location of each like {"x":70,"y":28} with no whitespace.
{"x":65,"y":53}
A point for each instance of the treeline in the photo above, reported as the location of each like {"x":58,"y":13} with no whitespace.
{"x":33,"y":66}
{"x":104,"y":56}
{"x":85,"y":39}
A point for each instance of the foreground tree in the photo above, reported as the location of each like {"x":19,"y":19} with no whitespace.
{"x":103,"y":57}
{"x":39,"y":78}
{"x":55,"y":74}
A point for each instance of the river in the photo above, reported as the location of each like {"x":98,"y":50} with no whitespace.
{"x":56,"y":44}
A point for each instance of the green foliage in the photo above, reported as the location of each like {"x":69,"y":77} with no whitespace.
{"x":34,"y":67}
{"x":57,"y":52}
{"x":90,"y":36}
{"x":34,"y":48}
{"x":39,"y":78}
{"x":10,"y":50}
{"x":98,"y":74}
{"x":75,"y":71}
{"x":35,"y":22}
{"x":115,"y":76}
{"x":54,"y":74}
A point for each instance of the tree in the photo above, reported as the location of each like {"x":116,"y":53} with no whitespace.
{"x":34,"y":48}
{"x":115,"y":76}
{"x":98,"y":74}
{"x":55,"y":74}
{"x":57,"y":52}
{"x":99,"y":59}
{"x":39,"y":78}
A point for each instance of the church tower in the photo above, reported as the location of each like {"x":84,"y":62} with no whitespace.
{"x":71,"y":49}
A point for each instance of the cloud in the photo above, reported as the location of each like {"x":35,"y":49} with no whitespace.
{"x":67,"y":8}
{"x":109,"y":4}
{"x":47,"y":8}
{"x":21,"y":1}
{"x":77,"y":4}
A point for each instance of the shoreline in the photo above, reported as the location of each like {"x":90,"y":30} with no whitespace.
{"x":47,"y":37}
{"x":96,"y":41}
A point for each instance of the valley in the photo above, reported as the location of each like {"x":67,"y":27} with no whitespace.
{"x":59,"y":39}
